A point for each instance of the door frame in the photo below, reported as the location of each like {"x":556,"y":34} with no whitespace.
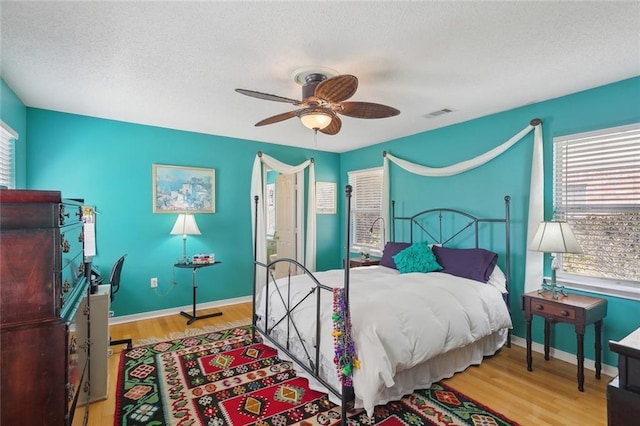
{"x":299,"y":205}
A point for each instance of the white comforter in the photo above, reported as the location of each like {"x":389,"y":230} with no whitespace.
{"x":399,"y":320}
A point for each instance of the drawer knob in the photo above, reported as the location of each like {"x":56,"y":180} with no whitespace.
{"x":564,"y":313}
{"x":73,"y":346}
{"x":539,"y":307}
{"x":71,"y":391}
{"x":65,"y":245}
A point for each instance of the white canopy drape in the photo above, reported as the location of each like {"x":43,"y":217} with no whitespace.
{"x":258,"y":186}
{"x":533,"y":271}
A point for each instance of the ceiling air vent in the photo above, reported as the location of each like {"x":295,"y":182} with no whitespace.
{"x":439,"y":112}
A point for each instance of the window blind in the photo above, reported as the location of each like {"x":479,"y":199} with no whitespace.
{"x":597,"y":191}
{"x":366,"y":206}
{"x":7,"y":156}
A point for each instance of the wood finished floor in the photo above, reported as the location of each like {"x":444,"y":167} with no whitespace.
{"x":546,"y":396}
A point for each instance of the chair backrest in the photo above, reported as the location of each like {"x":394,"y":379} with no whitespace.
{"x":114,"y":278}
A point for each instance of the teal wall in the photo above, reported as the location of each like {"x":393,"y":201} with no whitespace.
{"x":14,"y":113}
{"x":109,"y":164}
{"x":481,"y":190}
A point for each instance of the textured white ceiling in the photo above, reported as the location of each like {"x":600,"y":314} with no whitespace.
{"x":176,"y":64}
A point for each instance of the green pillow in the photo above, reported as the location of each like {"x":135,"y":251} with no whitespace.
{"x":418,"y":257}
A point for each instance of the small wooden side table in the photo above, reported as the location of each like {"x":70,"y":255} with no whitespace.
{"x":355,"y":262}
{"x":573,"y":309}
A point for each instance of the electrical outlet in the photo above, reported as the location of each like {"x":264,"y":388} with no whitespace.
{"x":154,"y":282}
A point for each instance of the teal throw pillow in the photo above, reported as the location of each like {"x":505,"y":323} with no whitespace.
{"x":418,"y":257}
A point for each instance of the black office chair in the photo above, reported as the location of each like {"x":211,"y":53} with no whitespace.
{"x":114,"y":281}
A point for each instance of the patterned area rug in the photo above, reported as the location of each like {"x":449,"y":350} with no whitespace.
{"x":222,"y":378}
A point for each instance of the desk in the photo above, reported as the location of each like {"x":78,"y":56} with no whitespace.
{"x":100,"y":303}
{"x":573,"y":309}
{"x":195,"y":266}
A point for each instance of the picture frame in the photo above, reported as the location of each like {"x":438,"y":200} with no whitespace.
{"x":325,"y":198}
{"x":180,"y":189}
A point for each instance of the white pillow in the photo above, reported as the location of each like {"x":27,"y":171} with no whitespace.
{"x":498,"y":280}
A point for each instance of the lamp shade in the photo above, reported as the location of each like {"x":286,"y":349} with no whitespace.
{"x":315,"y":118}
{"x":555,"y":237}
{"x":185,"y":225}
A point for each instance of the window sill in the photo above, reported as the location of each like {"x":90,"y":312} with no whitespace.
{"x":603,"y":288}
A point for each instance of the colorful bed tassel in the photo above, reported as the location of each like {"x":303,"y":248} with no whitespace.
{"x":345,"y":350}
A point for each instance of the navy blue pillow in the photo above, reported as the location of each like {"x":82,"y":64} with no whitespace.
{"x":474,"y":263}
{"x":390,"y":250}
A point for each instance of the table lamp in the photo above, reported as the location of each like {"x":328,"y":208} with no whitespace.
{"x":554,"y":237}
{"x":185,"y":225}
{"x":379,"y":218}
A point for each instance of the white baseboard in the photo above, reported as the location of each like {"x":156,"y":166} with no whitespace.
{"x":589,"y":364}
{"x":176,"y":311}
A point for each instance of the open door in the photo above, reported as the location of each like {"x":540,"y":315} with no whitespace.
{"x":286,"y":222}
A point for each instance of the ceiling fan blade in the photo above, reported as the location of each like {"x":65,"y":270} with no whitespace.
{"x":367,"y":110}
{"x":337,"y":89}
{"x":333,"y":127}
{"x":276,"y":118}
{"x":267,"y":96}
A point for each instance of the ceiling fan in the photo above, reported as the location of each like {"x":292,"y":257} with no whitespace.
{"x":323,"y":98}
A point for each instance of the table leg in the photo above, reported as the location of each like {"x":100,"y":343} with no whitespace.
{"x":193,"y":317}
{"x":598,"y":348}
{"x":580,"y":335}
{"x":547,"y":330}
{"x":529,"y":358}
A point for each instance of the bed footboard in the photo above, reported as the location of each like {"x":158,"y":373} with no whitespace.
{"x":283,"y":332}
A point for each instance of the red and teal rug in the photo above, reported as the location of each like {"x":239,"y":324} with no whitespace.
{"x":222,"y":378}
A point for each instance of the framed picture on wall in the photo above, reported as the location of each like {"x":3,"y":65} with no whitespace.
{"x":325,"y":198}
{"x":178,"y":189}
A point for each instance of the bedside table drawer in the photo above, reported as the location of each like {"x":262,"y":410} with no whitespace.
{"x":552,"y":309}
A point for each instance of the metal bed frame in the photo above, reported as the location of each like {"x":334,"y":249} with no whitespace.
{"x":312,"y":363}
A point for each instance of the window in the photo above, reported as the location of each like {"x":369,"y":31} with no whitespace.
{"x":596,"y":189}
{"x":7,"y":156}
{"x":366,"y":207}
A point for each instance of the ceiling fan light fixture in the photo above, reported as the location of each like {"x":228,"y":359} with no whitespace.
{"x":315,"y":118}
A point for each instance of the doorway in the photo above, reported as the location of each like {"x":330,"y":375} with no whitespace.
{"x":285,"y":227}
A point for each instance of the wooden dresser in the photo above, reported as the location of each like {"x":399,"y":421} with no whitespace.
{"x":623,"y":392}
{"x":42,"y":283}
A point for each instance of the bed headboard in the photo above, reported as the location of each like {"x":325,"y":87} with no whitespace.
{"x":445,"y":226}
{"x":459,"y":229}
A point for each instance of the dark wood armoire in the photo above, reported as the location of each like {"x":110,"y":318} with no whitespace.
{"x":42,"y":282}
{"x":623,"y":392}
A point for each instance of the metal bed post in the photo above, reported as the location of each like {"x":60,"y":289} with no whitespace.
{"x":255,"y":267}
{"x":507,"y":213}
{"x":346,"y":390}
{"x":393,"y":220}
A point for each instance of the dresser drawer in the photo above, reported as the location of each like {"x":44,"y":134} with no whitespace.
{"x":549,"y":309}
{"x":71,"y":262}
{"x":77,"y":361}
{"x":70,"y":212}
